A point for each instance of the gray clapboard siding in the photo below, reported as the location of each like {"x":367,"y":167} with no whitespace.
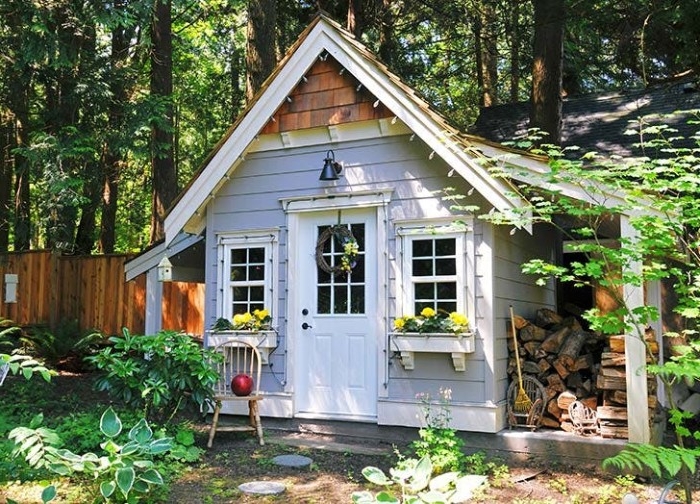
{"x":512,"y":287}
{"x":251,"y":200}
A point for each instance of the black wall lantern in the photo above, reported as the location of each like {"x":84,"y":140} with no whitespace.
{"x":331,"y":168}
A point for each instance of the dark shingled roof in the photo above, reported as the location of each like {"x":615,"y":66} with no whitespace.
{"x":598,"y":122}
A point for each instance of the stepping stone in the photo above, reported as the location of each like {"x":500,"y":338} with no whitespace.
{"x":292,"y":461}
{"x":262,"y":488}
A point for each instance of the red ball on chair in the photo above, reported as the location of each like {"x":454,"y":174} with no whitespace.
{"x":242,"y":385}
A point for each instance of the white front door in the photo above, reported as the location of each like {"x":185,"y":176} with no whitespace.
{"x":335,"y":329}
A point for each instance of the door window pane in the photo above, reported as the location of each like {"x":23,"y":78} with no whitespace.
{"x":339,"y":291}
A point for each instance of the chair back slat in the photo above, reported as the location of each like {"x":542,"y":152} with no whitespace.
{"x":239,"y":357}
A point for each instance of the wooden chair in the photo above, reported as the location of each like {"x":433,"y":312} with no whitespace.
{"x":239,"y":358}
{"x":583,"y":418}
{"x":537,"y":394}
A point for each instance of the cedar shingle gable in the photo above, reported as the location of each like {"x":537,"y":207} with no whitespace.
{"x":326,"y":96}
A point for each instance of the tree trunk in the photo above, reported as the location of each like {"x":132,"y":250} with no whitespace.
{"x":261,"y":44}
{"x":515,"y":53}
{"x":387,"y":41}
{"x":114,"y":160}
{"x":163,"y":171}
{"x":19,"y":89}
{"x":85,"y":235}
{"x":61,"y":117}
{"x":488,"y":54}
{"x":356,"y":18}
{"x":5,"y":179}
{"x":18,"y":76}
{"x":548,"y":52}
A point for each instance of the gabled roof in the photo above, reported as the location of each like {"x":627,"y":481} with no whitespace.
{"x":323,"y":36}
{"x":465,"y":154}
{"x":598,"y":122}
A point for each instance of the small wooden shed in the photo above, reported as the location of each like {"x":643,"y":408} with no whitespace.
{"x":270,"y":229}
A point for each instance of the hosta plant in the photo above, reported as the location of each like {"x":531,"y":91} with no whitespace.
{"x":124,"y":472}
{"x":415,"y":485}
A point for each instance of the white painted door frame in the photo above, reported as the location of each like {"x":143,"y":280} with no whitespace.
{"x":296,"y":208}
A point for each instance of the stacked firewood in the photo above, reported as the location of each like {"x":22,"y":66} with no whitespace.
{"x":575,"y":364}
{"x":612,"y":381}
{"x":563,"y":357}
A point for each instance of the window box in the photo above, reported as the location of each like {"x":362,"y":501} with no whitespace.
{"x":458,"y":345}
{"x":264,"y":341}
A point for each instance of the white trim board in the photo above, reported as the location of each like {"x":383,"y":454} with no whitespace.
{"x":335,"y":200}
{"x":465,"y":417}
{"x":150,"y":258}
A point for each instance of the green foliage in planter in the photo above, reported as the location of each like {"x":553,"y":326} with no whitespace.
{"x":162,"y":374}
{"x":222,"y":324}
{"x":124,"y":472}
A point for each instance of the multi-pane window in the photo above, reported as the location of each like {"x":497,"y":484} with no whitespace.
{"x":246,"y":278}
{"x":434,"y":272}
{"x":340,"y":291}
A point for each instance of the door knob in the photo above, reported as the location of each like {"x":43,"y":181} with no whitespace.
{"x":305,"y":326}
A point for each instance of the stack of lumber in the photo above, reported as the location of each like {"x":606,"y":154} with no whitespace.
{"x":563,"y":357}
{"x":612,"y":381}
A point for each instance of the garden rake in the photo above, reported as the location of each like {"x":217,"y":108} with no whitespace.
{"x":523,"y":403}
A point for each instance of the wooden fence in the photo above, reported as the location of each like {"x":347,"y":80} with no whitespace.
{"x":52,"y":289}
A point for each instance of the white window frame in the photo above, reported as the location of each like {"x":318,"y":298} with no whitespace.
{"x":463,"y":234}
{"x":269,"y":241}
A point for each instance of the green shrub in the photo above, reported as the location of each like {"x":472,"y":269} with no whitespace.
{"x":162,"y":375}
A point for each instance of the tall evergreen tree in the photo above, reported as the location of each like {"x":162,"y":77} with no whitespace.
{"x":261,"y":47}
{"x":547,"y":67}
{"x":163,"y":171}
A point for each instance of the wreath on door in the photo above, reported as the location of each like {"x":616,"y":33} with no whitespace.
{"x":351,"y":249}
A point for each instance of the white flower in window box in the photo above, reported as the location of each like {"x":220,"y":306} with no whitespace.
{"x":436,"y":332}
{"x":253,"y":328}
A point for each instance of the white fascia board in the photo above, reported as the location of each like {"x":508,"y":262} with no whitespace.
{"x":150,"y":259}
{"x":227,"y":157}
{"x":433,"y":134}
{"x":143,"y":262}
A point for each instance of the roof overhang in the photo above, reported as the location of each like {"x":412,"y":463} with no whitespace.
{"x":150,"y":258}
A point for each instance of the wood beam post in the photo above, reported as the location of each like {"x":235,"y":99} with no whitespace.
{"x":635,"y":352}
